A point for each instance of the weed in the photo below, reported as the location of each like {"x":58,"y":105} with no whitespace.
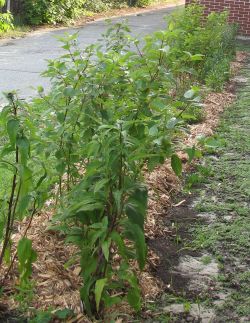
{"x":206,"y":260}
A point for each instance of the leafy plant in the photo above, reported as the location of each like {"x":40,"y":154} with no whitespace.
{"x":55,"y":11}
{"x":6,"y":21}
{"x":116,"y":109}
{"x":22,"y":195}
{"x":113,"y":135}
{"x":201,"y":48}
{"x":26,"y":256}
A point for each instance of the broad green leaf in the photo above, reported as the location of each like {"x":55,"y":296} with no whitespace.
{"x":24,"y":149}
{"x":23,"y":205}
{"x":26,"y":256}
{"x":191,"y":153}
{"x":60,"y":167}
{"x":105,"y":248}
{"x":153,"y":131}
{"x":25,"y":180}
{"x":12,"y":129}
{"x":99,"y":286}
{"x":172,"y":123}
{"x":189,"y":94}
{"x":176,"y":164}
{"x":136,"y":206}
{"x":135,"y":233}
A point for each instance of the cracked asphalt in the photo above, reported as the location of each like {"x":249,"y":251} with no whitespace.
{"x":23,"y":60}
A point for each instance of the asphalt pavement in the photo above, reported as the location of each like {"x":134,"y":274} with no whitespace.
{"x":22,"y":60}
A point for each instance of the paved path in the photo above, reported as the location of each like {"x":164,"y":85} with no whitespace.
{"x":22,"y":60}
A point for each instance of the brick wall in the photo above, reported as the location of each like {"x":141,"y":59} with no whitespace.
{"x":239,"y":11}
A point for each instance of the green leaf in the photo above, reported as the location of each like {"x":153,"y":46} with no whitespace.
{"x":69,"y":91}
{"x":84,"y":292}
{"x":99,"y":286}
{"x":26,"y":256}
{"x":7,"y":254}
{"x":191,"y":153}
{"x":171,"y":26}
{"x":24,"y":148}
{"x":115,"y":236}
{"x":105,"y":248}
{"x":43,"y":177}
{"x":172,"y":123}
{"x":197,"y":57}
{"x":12,"y":129}
{"x":189,"y":94}
{"x":23,"y":204}
{"x":136,"y":206}
{"x":64,"y":314}
{"x":176,"y":164}
{"x":134,"y":298}
{"x":135,"y":233}
{"x":153,"y":131}
{"x":60,"y":167}
{"x":25,"y":181}
{"x":100,"y":184}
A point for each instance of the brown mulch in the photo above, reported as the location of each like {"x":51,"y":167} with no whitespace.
{"x":56,"y":284}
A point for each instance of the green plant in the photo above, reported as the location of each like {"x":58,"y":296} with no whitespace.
{"x":104,"y":122}
{"x":55,"y":11}
{"x":22,"y":195}
{"x":26,"y":256}
{"x":202,"y":47}
{"x":139,"y":3}
{"x":50,"y":315}
{"x":111,"y":134}
{"x":116,"y":109}
{"x":6,"y":22}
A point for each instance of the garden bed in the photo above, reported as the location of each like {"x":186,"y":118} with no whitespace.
{"x":90,"y":165}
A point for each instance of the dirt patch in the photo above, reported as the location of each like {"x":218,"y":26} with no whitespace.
{"x":184,"y":271}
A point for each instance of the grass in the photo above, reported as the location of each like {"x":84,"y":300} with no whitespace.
{"x":227,"y":194}
{"x":19,"y":31}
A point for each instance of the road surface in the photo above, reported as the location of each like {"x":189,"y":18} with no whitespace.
{"x":23,"y":60}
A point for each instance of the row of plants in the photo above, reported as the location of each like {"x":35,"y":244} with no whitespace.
{"x":37,"y":12}
{"x":116,"y":109}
